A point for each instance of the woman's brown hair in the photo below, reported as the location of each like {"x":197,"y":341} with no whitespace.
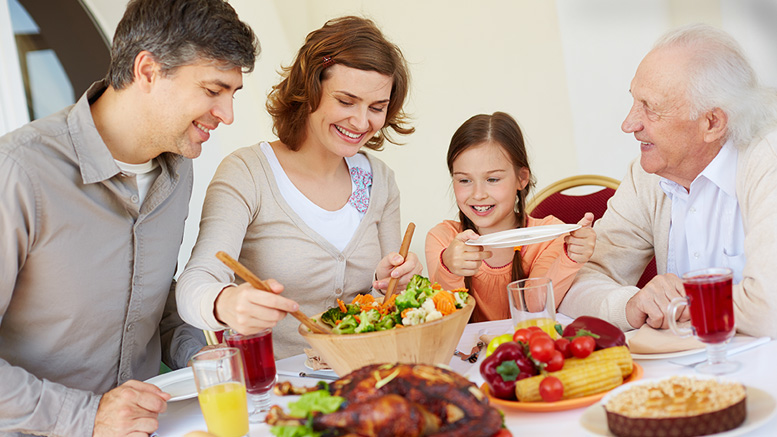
{"x":354,"y":42}
{"x":503,"y":130}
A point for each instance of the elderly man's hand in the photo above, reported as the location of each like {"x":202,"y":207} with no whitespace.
{"x":650,"y":305}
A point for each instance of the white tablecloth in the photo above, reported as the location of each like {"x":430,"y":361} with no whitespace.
{"x":758,"y":370}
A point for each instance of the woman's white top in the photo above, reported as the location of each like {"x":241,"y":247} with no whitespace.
{"x":338,"y":226}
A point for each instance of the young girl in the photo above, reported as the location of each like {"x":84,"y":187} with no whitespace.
{"x":491,"y":179}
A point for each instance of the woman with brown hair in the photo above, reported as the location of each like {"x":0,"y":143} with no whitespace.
{"x":311,"y":210}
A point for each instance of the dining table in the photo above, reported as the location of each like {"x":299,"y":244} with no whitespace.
{"x":757,"y":372}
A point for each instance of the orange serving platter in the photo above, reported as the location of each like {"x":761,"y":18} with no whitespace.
{"x":566,"y":404}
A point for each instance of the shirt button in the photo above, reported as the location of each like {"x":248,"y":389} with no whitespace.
{"x":693,"y":210}
{"x":696,"y":255}
{"x":339,"y":292}
{"x":125,"y":375}
{"x":134,"y":198}
{"x":129,"y":327}
{"x":340,"y":258}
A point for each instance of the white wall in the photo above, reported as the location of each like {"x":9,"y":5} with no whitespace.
{"x":562,"y":69}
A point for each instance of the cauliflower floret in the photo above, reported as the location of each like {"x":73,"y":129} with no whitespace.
{"x":415,"y":316}
{"x":431,"y":312}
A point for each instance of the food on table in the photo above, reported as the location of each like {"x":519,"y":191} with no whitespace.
{"x":421,"y":302}
{"x":504,"y":367}
{"x":578,"y":381}
{"x":550,"y":326}
{"x":608,"y":334}
{"x":394,"y":399}
{"x":619,"y":355}
{"x":677,"y":406}
{"x":496,"y":342}
{"x":551,"y":389}
{"x":582,"y":346}
{"x":566,"y":368}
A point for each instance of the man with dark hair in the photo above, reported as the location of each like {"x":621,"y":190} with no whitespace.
{"x":91,"y":220}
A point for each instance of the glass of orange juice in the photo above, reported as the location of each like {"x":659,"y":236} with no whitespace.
{"x":221,"y":390}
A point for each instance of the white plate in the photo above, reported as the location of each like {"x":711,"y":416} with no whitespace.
{"x":522,"y":236}
{"x":179,"y":383}
{"x":661,"y":356}
{"x":761,"y":407}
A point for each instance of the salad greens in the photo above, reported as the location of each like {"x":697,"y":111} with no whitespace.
{"x":421,"y":302}
{"x":320,"y":401}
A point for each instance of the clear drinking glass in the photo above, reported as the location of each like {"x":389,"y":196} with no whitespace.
{"x":221,"y":390}
{"x":708,"y":298}
{"x":260,"y":372}
{"x":531,"y":298}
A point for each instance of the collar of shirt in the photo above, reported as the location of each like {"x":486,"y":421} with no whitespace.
{"x":721,"y":171}
{"x":94,"y":159}
{"x":706,"y":227}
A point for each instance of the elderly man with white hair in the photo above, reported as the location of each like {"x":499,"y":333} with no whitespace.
{"x":700,"y":195}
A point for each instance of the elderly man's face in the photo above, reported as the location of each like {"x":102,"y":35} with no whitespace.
{"x":671,"y":144}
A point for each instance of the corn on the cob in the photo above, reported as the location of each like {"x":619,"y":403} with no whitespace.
{"x":620,"y":355}
{"x":578,"y":381}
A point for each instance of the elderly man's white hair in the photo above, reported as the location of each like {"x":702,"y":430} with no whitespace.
{"x":721,"y":77}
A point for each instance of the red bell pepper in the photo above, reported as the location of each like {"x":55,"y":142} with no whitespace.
{"x":506,"y":365}
{"x":609,"y":334}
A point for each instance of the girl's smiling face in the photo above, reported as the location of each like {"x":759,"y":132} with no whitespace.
{"x":352,"y":109}
{"x":485,"y":184}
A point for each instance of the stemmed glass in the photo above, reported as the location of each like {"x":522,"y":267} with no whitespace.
{"x":259,"y":368}
{"x":709,"y":299}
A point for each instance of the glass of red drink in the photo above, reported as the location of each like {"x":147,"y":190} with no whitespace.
{"x":710,"y":302}
{"x":259,"y":368}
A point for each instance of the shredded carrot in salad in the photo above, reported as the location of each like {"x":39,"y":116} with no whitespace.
{"x":341,"y":304}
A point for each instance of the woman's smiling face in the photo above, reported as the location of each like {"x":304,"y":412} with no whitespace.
{"x":485,"y":184}
{"x":352,"y":110}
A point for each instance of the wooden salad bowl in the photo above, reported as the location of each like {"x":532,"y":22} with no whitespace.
{"x":428,"y":343}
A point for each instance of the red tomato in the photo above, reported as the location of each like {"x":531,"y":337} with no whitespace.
{"x":534,"y":328}
{"x":551,"y":389}
{"x":522,"y":335}
{"x":582,"y":347}
{"x":537,"y":333}
{"x":504,"y":432}
{"x":541,"y":348}
{"x":562,"y":345}
{"x":556,"y":362}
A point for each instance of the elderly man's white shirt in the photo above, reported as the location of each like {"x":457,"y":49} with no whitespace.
{"x":706,"y":229}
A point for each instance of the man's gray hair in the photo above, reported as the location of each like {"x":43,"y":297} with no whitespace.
{"x":721,"y":77}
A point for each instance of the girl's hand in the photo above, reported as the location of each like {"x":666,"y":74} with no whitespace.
{"x":394,"y":266}
{"x":461,"y":259}
{"x":580,"y":243}
{"x":249,"y":311}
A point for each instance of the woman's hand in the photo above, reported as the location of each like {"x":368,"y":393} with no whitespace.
{"x":461,"y":259}
{"x":394,"y":266}
{"x":249,"y":311}
{"x":580,"y":243}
